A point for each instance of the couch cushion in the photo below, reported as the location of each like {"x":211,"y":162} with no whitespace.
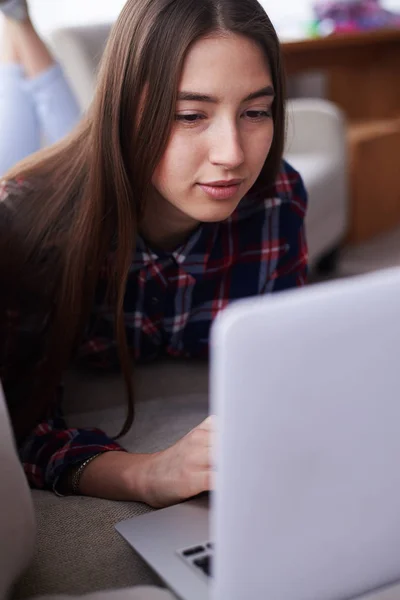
{"x":327,"y":212}
{"x":171,"y":398}
{"x":78,"y":550}
{"x":320,"y":178}
{"x":79,"y":50}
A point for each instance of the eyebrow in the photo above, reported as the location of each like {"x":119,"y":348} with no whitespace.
{"x":195,"y":97}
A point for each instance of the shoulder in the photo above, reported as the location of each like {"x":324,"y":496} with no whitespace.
{"x":289,"y":188}
{"x":15,"y":188}
{"x":14,"y":225}
{"x":287,"y":196}
{"x":13,"y":192}
{"x":10,"y":192}
{"x":6,"y":194}
{"x":20,"y":208}
{"x":27,"y":260}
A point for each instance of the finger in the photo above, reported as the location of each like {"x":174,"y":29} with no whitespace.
{"x":208,"y":460}
{"x":200,"y":458}
{"x":202,"y":482}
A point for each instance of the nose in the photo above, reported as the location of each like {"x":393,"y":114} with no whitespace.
{"x":226,"y":148}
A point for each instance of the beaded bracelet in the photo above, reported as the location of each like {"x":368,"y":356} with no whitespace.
{"x":76,"y":478}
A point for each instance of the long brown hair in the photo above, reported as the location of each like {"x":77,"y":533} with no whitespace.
{"x":87,"y":193}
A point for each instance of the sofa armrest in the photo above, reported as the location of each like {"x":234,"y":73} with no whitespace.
{"x":79,"y":51}
{"x":315,"y":126}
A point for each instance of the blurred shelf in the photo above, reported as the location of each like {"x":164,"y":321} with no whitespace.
{"x":363,"y":79}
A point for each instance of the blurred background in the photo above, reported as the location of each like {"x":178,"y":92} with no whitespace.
{"x":286,"y":15}
{"x":343,"y":63}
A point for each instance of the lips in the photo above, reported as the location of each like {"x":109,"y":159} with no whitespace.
{"x":223,"y":183}
{"x":221,"y":190}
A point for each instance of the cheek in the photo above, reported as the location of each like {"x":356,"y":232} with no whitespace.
{"x":165,"y":174}
{"x":260,"y":147}
{"x":159,"y":176}
{"x":266,"y":142}
{"x":177,"y":164}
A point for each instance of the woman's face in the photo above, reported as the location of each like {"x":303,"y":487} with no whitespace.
{"x":222,"y":133}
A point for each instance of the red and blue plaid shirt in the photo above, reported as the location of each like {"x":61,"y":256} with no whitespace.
{"x":171,"y":300}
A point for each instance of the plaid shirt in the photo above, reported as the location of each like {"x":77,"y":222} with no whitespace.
{"x":171,"y":300}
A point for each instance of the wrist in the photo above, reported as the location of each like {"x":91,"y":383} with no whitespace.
{"x":142,"y":478}
{"x":77,"y":473}
{"x":68,"y":483}
{"x":117,"y":475}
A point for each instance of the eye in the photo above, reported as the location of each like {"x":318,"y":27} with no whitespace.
{"x":258,"y":115}
{"x":189,"y":118}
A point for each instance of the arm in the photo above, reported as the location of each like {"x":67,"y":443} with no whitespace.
{"x":49,"y":450}
{"x":50,"y":453}
{"x":52,"y":450}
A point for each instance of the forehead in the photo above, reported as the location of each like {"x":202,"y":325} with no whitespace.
{"x":222,"y":63}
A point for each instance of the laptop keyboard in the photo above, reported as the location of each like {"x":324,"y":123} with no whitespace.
{"x":199,"y":558}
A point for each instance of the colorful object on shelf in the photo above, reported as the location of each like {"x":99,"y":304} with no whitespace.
{"x":348,"y":16}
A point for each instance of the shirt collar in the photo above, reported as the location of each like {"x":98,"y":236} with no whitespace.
{"x":200,"y":242}
{"x":148,"y":255}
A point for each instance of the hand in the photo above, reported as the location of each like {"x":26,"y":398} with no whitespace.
{"x":159,"y":479}
{"x":183,"y":470}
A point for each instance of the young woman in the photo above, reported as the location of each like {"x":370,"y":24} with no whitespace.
{"x":124,"y":240}
{"x":36,"y":103}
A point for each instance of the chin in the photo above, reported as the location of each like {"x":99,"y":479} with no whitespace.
{"x":216,"y":217}
{"x":219,"y":213}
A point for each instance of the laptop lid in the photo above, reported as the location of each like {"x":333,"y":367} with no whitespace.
{"x":306,"y":387}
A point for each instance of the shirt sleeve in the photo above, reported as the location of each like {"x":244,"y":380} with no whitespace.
{"x":292,"y":268}
{"x":52,"y":447}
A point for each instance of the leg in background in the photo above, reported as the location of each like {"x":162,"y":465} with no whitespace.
{"x":19,"y":125}
{"x":56,"y":106}
{"x":55,"y":103}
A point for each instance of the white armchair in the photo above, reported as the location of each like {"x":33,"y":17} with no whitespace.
{"x":316,"y":146}
{"x":316,"y":138}
{"x":79,"y":50}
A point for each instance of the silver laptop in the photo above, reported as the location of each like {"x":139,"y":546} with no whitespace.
{"x":306,"y":388}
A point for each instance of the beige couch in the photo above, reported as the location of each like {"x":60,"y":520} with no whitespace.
{"x":77,"y":550}
{"x":17,"y":533}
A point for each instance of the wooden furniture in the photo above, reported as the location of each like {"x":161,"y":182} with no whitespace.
{"x":374,"y":150}
{"x":363,"y":78}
